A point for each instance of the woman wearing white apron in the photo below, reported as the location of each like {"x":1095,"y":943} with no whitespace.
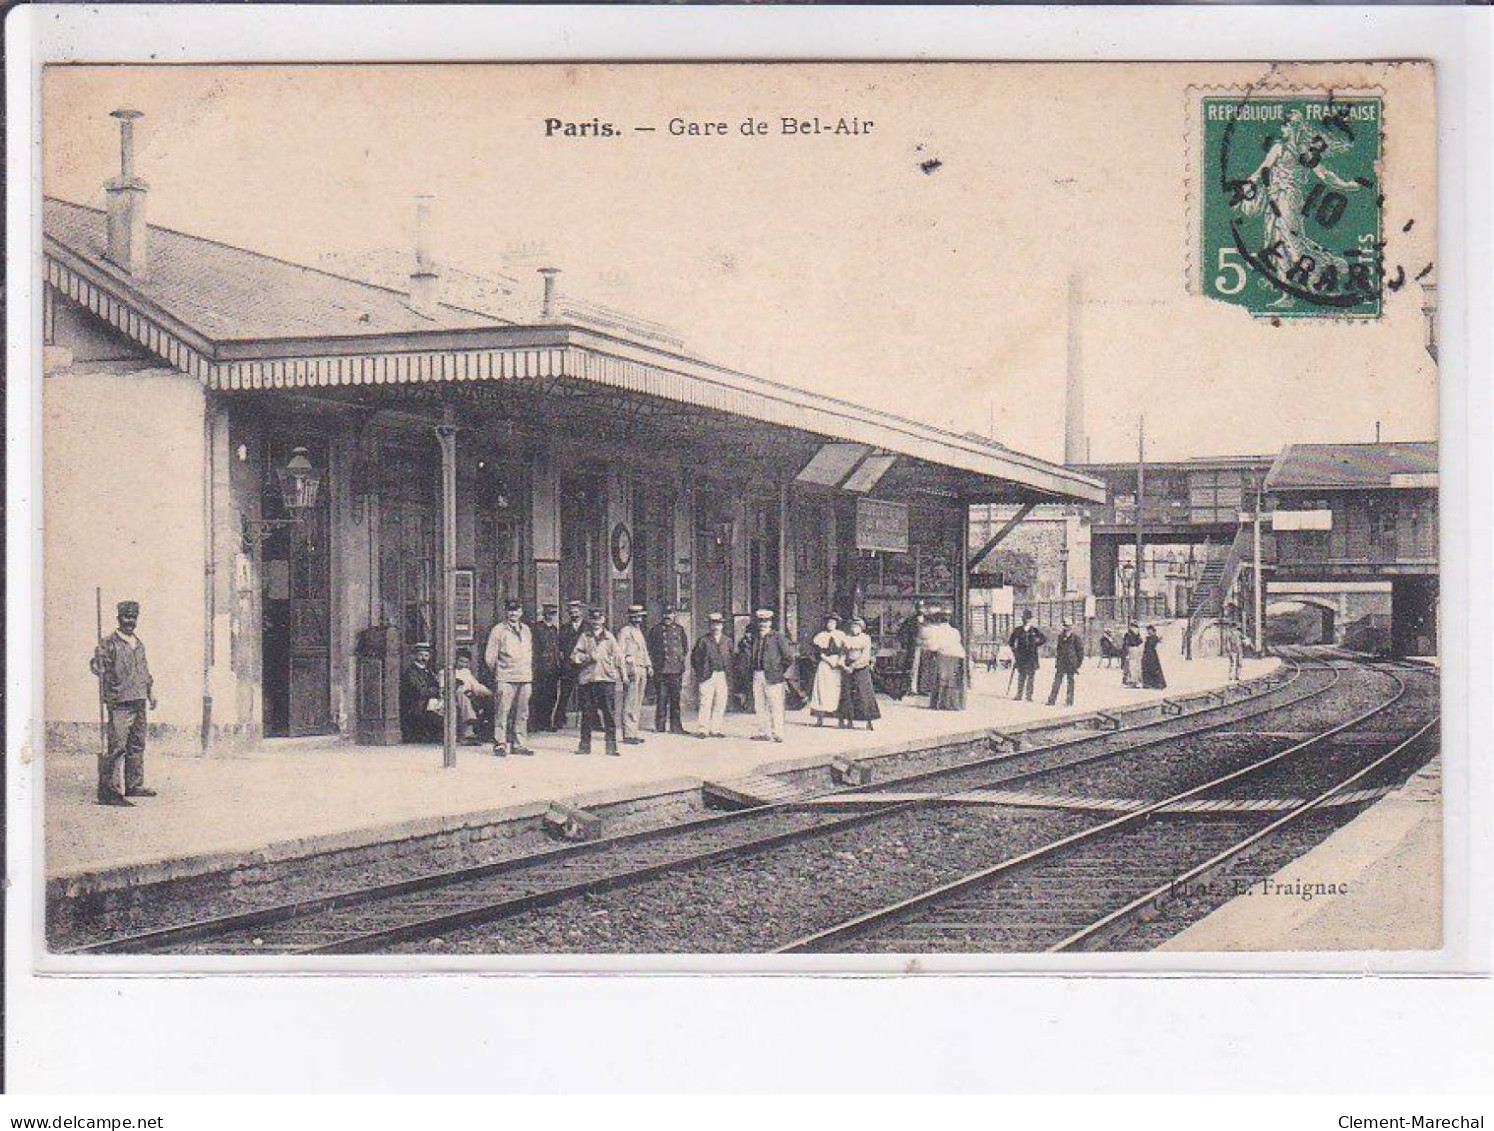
{"x":829,"y":647}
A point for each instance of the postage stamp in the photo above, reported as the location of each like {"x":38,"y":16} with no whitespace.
{"x":1290,"y":224}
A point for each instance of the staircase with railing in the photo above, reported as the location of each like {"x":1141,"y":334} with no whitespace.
{"x":1214,"y":586}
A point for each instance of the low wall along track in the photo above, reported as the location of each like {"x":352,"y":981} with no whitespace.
{"x":1084,"y":842}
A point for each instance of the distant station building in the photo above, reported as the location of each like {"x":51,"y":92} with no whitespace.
{"x":1350,"y":521}
{"x":266,"y":457}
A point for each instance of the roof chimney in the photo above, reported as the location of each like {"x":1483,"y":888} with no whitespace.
{"x":547,"y":308}
{"x":126,"y":197}
{"x":424,"y":281}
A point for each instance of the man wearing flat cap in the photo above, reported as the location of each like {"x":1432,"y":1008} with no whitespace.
{"x":668,"y":648}
{"x":772,"y":660}
{"x":711,"y":660}
{"x":549,"y":662}
{"x":510,"y":657}
{"x":126,"y":686}
{"x":420,"y":698}
{"x":570,"y":632}
{"x":637,"y":666}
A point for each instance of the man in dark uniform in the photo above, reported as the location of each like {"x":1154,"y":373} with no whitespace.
{"x":570,"y":632}
{"x":419,"y":689}
{"x":1068,"y":655}
{"x":548,"y":665}
{"x":907,"y":640}
{"x":1024,"y":642}
{"x":669,"y":649}
{"x":126,"y":685}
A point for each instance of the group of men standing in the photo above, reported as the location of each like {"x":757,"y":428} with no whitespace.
{"x":1026,"y":642}
{"x":541,"y":674}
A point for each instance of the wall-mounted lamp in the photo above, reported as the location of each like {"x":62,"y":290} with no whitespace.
{"x":300,"y":483}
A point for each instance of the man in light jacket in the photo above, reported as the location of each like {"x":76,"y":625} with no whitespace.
{"x":598,"y":671}
{"x":772,"y":659}
{"x":510,"y":657}
{"x":637,"y":666}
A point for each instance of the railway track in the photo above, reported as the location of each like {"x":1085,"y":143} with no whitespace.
{"x":1088,"y":890}
{"x":380,"y":916}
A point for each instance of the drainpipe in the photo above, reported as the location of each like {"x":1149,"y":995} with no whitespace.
{"x":209,"y":576}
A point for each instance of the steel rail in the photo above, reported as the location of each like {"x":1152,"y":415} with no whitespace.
{"x":870,"y":921}
{"x":207,"y":928}
{"x":1108,"y":927}
{"x":514,"y":905}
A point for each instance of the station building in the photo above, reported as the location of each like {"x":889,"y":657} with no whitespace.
{"x":266,"y":456}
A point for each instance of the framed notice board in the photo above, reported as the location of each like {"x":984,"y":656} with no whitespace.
{"x":464,"y":609}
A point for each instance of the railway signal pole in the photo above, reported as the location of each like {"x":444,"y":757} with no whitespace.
{"x":1140,"y":508}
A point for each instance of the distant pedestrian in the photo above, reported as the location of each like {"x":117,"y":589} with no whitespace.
{"x":1130,"y":642}
{"x":710,"y":660}
{"x":772,"y":660}
{"x":829,"y":646}
{"x":907,"y":640}
{"x":420,"y":701}
{"x":1068,"y":656}
{"x":669,"y":649}
{"x":565,"y":692}
{"x":510,"y":657}
{"x":858,"y":696}
{"x":549,"y":664}
{"x":598,"y":664}
{"x":127,"y":688}
{"x":1151,"y":661}
{"x":637,"y":666}
{"x":944,"y":653}
{"x":1231,"y":640}
{"x":1025,"y":642}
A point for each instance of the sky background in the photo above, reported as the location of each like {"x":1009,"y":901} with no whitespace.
{"x":833,"y":263}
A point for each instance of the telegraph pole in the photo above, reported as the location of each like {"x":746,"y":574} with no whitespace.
{"x":1260,"y":629}
{"x":1140,"y":507}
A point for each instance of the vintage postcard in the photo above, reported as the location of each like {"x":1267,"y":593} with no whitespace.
{"x":534,"y":512}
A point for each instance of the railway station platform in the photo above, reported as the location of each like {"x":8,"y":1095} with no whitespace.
{"x":295,"y":797}
{"x":1387,"y":866}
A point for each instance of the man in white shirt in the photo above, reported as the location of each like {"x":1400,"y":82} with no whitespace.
{"x":637,"y":667}
{"x":510,"y":657}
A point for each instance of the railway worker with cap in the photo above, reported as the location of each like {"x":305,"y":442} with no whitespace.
{"x":127,"y":689}
{"x":570,"y":632}
{"x":772,"y":661}
{"x":1068,"y":655}
{"x":510,"y":657}
{"x":420,"y":698}
{"x":710,"y":660}
{"x":548,"y":665}
{"x":637,"y":666}
{"x":1231,"y":639}
{"x":668,"y":648}
{"x":1025,"y":641}
{"x":598,"y":663}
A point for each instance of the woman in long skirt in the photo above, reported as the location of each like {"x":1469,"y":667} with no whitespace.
{"x":1151,"y":662}
{"x":947,"y":652}
{"x":858,"y":698}
{"x":829,"y":646}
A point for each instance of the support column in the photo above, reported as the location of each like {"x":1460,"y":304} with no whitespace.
{"x":446,"y":433}
{"x":619,"y":518}
{"x":544,"y":529}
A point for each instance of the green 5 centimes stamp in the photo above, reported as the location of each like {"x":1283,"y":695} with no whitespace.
{"x":1292,"y":204}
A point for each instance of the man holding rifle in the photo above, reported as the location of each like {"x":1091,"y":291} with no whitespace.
{"x":125,"y":690}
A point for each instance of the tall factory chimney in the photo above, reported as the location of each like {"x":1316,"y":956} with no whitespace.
{"x":1075,"y":447}
{"x":125,"y":219}
{"x":424,"y":280}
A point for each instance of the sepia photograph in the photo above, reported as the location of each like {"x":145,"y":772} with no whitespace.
{"x":882,"y":512}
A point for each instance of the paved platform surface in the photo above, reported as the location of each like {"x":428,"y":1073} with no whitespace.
{"x":291,"y":790}
{"x":1390,"y":858}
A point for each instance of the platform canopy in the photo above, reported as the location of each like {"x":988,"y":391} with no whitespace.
{"x":244,"y":323}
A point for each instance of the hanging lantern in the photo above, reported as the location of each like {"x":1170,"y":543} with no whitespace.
{"x":299,"y":482}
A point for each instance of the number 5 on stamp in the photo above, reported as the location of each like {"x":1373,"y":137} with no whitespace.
{"x":1290,"y":224}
